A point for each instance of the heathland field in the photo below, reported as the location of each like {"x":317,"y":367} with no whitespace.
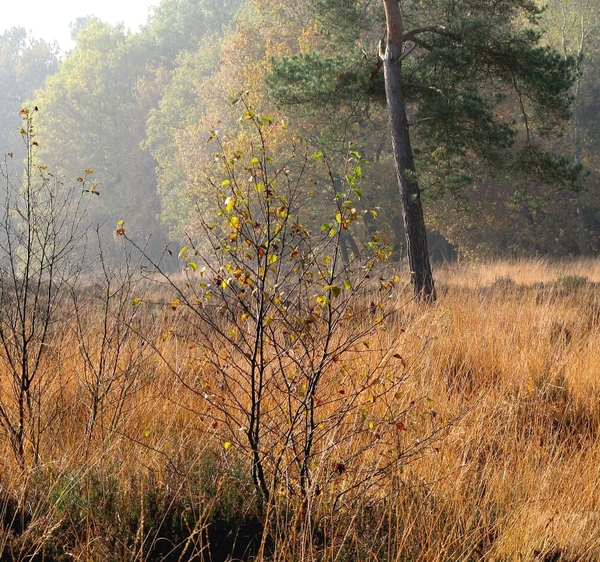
{"x":463,"y":430}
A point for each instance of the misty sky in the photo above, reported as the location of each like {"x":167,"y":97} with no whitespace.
{"x":49,"y":20}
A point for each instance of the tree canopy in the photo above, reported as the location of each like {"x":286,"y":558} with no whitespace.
{"x":25,"y":63}
{"x":500,"y":101}
{"x":480,"y":86}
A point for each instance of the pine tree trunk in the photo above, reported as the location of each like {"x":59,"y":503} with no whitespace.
{"x":412,"y":210}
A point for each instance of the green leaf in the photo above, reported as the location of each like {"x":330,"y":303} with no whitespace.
{"x":334,"y":289}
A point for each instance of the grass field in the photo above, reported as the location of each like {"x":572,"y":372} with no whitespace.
{"x":476,"y":437}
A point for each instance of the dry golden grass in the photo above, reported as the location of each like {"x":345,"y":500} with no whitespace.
{"x":480,"y":443}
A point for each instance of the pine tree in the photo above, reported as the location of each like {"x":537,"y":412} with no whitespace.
{"x":469,"y":86}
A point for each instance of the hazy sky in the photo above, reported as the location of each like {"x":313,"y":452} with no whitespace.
{"x":49,"y":19}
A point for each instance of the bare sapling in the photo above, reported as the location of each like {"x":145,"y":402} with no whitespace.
{"x":42,"y":235}
{"x":111,"y":333}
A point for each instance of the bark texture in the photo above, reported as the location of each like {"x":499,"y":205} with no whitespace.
{"x":412,"y":209}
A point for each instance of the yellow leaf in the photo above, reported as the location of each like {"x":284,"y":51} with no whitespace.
{"x":136,"y":301}
{"x":193,"y":265}
{"x":182,"y":252}
{"x":88,"y":172}
{"x":226,"y":445}
{"x":229,"y":204}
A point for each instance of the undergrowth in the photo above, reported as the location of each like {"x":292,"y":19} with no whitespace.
{"x":496,"y":456}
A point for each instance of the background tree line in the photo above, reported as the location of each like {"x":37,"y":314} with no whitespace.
{"x":138,"y":108}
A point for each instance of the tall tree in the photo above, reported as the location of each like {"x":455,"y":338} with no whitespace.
{"x":412,"y":210}
{"x":178,"y":108}
{"x":195,"y":102}
{"x":180,"y":25}
{"x":24,"y":65}
{"x":469,"y":85}
{"x":94,"y":112}
{"x":92,"y":116}
{"x":574,"y":29}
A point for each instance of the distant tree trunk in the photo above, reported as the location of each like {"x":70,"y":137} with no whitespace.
{"x":347,"y":242}
{"x":584,"y":246}
{"x":412,"y":210}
